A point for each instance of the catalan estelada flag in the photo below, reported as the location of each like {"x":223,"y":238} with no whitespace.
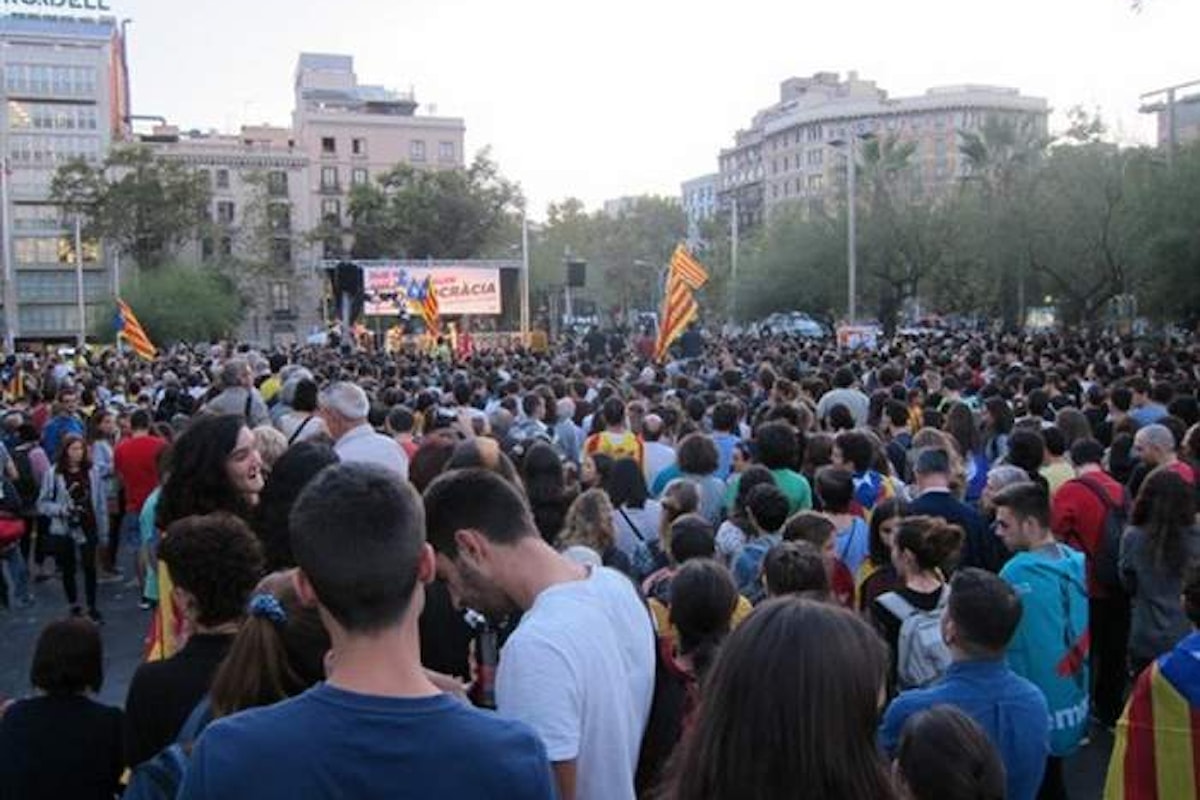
{"x":1156,"y":755}
{"x":684,"y":276}
{"x":131,"y":330}
{"x":429,"y":307}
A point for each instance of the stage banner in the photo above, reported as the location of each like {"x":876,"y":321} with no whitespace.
{"x":460,"y":290}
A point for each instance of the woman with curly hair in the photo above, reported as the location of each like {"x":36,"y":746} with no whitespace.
{"x":215,"y":466}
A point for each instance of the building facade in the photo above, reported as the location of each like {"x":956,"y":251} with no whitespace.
{"x":65,"y":96}
{"x":699,"y":197}
{"x":794,"y":152}
{"x":259,"y":216}
{"x":352,"y":133}
{"x":1180,"y":113}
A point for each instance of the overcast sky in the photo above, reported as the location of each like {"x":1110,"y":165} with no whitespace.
{"x":599,"y":100}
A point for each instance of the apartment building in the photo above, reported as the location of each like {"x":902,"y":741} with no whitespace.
{"x":700,"y":198}
{"x":65,"y":96}
{"x":352,"y":132}
{"x":795,"y":151}
{"x":259,"y":216}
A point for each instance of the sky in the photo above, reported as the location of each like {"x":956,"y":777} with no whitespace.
{"x":624,"y":97}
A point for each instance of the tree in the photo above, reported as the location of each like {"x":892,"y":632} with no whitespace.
{"x":177,"y":303}
{"x":1002,"y":160}
{"x":423,"y":213}
{"x":626,"y":253}
{"x":144,"y":204}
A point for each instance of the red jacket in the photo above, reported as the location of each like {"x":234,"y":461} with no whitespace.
{"x":1077,"y":518}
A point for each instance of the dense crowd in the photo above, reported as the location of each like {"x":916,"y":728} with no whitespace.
{"x":766,"y":568}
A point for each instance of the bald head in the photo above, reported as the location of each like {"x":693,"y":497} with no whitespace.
{"x":652,"y":427}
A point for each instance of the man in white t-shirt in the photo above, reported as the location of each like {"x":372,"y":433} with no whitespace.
{"x":579,"y":668}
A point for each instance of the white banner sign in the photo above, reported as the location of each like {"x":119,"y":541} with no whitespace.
{"x":460,"y":290}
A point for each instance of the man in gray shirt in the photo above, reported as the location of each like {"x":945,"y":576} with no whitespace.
{"x":844,"y":393}
{"x":238,"y":395}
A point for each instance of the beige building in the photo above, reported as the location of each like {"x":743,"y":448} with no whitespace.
{"x":795,"y":150}
{"x":351,"y":133}
{"x":259,"y":217}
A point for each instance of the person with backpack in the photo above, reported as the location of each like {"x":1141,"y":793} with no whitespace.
{"x":1050,"y":647}
{"x":1089,"y":513}
{"x":910,"y":617}
{"x":981,"y":618}
{"x":31,"y":464}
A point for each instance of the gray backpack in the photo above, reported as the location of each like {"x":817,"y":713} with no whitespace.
{"x":921,"y":655}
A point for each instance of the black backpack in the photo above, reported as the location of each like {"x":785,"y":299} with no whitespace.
{"x":1106,"y":558}
{"x":26,"y":484}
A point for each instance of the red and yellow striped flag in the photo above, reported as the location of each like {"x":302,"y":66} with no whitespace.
{"x":1156,"y":755}
{"x":679,"y":308}
{"x":690,"y":271}
{"x":429,"y":308}
{"x":129,"y":328}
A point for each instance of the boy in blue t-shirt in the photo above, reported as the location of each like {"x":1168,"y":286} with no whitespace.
{"x":378,"y":727}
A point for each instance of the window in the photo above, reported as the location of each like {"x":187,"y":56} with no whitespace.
{"x":281,"y":297}
{"x":44,"y":79}
{"x":51,"y":250}
{"x":329,"y":179}
{"x":225,"y":212}
{"x":52,"y":151}
{"x":359,"y":177}
{"x":281,"y":252}
{"x":358,"y":147}
{"x":816,"y":183}
{"x":328,"y":145}
{"x":35,"y":217}
{"x":226,"y":246}
{"x":279,"y":217}
{"x":814,"y":133}
{"x":331,"y":211}
{"x":222,"y":179}
{"x":51,"y":116}
{"x":416,"y":150}
{"x":206,"y":249}
{"x":331,"y":248}
{"x":446,"y":151}
{"x":277,"y":183}
{"x":815,"y":157}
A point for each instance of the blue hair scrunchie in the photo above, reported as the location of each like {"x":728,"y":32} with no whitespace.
{"x":267,"y":605}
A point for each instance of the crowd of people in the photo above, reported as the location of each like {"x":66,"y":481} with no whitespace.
{"x":765,"y":568}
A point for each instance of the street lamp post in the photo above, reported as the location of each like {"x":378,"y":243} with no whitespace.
{"x":851,"y":216}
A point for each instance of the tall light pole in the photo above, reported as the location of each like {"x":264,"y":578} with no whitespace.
{"x":851,"y":217}
{"x":1167,"y":105}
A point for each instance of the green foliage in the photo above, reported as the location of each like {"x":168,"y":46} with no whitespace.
{"x":1081,"y":222}
{"x":143,"y":204}
{"x":181,"y":304}
{"x":425,"y":213}
{"x":626,"y":253}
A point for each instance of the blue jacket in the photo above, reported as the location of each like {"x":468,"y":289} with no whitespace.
{"x":981,"y":548}
{"x":1010,"y":709}
{"x":55,"y":430}
{"x":1050,"y":647}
